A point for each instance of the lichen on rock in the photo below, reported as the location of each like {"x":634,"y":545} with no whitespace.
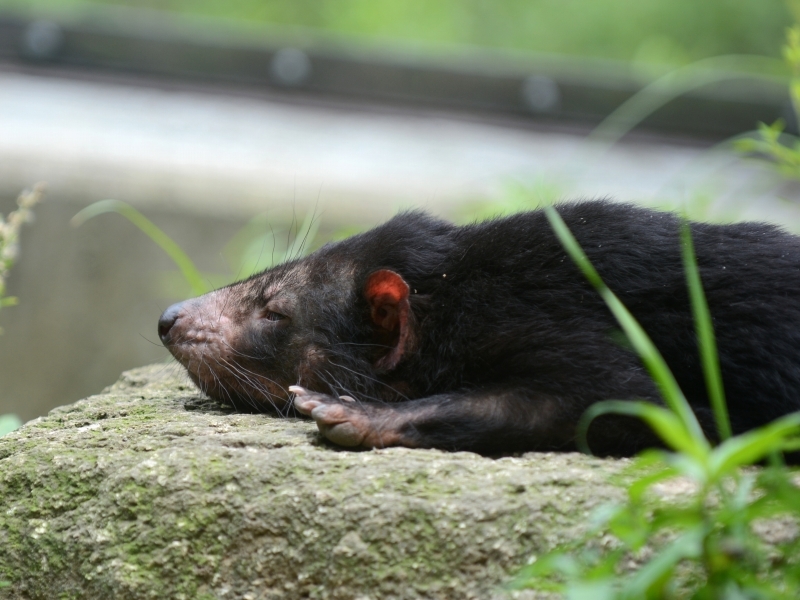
{"x":149,"y":490}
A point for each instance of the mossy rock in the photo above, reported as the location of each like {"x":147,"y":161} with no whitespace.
{"x":150,"y":491}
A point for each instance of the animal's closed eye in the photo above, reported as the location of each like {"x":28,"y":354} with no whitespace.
{"x":273,"y":316}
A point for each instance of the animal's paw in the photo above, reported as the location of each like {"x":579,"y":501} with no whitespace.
{"x":341,"y":420}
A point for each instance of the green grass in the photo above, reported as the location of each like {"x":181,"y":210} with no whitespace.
{"x":674,"y":32}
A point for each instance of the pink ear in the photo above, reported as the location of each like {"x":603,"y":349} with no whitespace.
{"x":387,"y":294}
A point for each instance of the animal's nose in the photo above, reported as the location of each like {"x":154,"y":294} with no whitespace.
{"x":167,"y":320}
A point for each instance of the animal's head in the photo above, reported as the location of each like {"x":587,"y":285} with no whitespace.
{"x":317,"y":322}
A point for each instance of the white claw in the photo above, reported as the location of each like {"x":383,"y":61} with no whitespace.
{"x":298,"y":390}
{"x":347,"y":398}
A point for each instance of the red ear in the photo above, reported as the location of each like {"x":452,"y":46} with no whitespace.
{"x":387,"y":295}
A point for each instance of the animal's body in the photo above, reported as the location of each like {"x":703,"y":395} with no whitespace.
{"x":487,"y":337}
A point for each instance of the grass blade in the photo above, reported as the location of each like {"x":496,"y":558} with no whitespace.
{"x":747,"y":448}
{"x":669,"y":427}
{"x":184,"y":263}
{"x":651,"y":579}
{"x":678,"y":82}
{"x":252,"y":243}
{"x":707,"y":343}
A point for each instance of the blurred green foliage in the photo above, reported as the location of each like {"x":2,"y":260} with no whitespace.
{"x":10,"y":226}
{"x":257,"y":246}
{"x":771,"y":143}
{"x":9,"y":423}
{"x":9,"y":237}
{"x":672,"y":32}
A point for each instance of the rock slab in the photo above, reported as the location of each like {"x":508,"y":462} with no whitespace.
{"x":148,"y":490}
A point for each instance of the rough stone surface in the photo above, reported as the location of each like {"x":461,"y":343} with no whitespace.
{"x":150,"y":491}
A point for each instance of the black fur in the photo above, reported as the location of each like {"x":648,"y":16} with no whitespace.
{"x":511,"y":344}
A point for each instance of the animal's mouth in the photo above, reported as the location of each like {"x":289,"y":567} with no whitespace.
{"x":231,"y":382}
{"x":244,"y":394}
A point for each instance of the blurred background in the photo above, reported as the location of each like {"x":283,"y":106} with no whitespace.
{"x":229,"y":125}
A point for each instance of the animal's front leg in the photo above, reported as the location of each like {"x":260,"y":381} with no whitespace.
{"x":482,"y":421}
{"x":348,"y":423}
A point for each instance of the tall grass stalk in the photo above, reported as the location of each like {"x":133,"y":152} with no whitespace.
{"x":704,"y":330}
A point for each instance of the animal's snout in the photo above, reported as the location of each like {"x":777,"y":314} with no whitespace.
{"x":167,"y":320}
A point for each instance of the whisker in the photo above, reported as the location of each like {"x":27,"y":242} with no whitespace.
{"x":372,"y":379}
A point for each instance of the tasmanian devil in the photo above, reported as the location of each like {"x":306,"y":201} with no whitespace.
{"x":488,"y":338}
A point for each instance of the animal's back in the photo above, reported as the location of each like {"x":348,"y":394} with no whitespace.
{"x":513,"y":305}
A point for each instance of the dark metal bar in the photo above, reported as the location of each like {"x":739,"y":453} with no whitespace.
{"x":543,"y":90}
